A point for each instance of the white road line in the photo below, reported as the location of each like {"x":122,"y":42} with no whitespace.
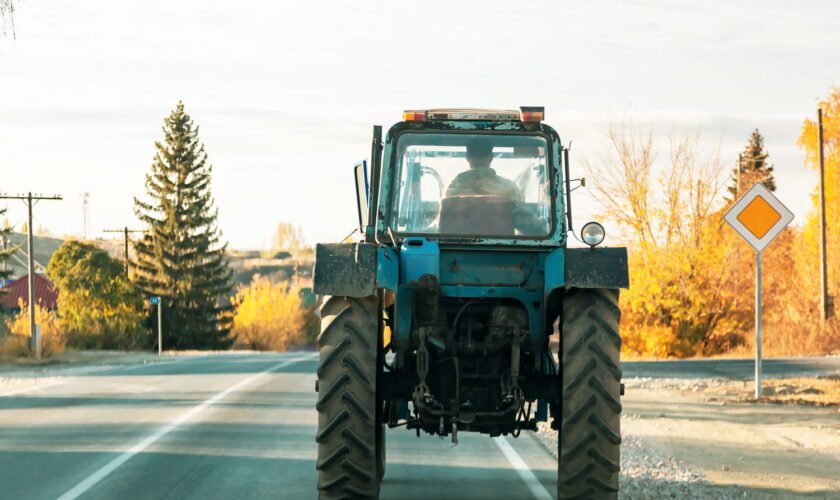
{"x":527,"y":475}
{"x":108,"y":468}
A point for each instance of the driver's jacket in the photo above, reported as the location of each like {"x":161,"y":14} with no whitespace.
{"x":485,"y":181}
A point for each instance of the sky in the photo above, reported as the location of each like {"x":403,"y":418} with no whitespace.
{"x":285,"y":93}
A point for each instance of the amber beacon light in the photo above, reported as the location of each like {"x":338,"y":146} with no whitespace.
{"x":532,"y":114}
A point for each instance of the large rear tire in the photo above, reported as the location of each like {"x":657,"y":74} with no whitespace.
{"x":348,"y":458}
{"x":590,"y":435}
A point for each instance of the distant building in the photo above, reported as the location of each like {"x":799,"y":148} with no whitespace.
{"x":46,"y":294}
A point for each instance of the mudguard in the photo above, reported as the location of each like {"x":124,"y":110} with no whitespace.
{"x":354,"y":269}
{"x":346,"y":269}
{"x":596,"y":267}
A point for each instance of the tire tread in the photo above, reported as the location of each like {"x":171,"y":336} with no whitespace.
{"x":590,"y":436}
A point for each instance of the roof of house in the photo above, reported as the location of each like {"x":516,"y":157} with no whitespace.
{"x":46,"y":294}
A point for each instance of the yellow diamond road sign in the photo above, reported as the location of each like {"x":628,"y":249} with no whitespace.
{"x":758,"y":217}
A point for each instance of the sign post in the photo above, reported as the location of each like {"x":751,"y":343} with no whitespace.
{"x":758,"y":216}
{"x":156,"y":301}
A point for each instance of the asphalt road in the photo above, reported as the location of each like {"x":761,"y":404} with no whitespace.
{"x":242,"y":426}
{"x":226,"y":427}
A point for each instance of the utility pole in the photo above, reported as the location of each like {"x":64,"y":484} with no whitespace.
{"x":30,"y":200}
{"x":85,"y":214}
{"x":826,"y":302}
{"x":5,"y":242}
{"x":125,"y":232}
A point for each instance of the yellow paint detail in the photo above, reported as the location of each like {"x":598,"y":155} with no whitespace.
{"x":758,"y":217}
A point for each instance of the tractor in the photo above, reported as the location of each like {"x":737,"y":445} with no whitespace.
{"x":443,"y":316}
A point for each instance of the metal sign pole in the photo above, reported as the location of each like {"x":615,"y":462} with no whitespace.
{"x":160,"y":327}
{"x":757,"y":325}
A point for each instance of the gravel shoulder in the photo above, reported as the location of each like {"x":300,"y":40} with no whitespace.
{"x":703,"y":439}
{"x":759,"y":449}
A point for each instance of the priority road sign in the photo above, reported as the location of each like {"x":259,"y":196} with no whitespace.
{"x":758,"y":216}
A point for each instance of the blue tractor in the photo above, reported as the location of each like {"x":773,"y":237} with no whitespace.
{"x":439,"y":318}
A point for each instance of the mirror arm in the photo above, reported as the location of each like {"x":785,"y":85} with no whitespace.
{"x":568,"y":190}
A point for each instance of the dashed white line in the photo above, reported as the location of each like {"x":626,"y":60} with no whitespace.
{"x":108,"y":468}
{"x":537,"y":489}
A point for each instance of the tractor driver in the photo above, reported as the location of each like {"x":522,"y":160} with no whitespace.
{"x":480,"y":179}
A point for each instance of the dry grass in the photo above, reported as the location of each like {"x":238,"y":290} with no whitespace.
{"x":820,"y":391}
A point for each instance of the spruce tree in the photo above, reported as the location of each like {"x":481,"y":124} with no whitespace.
{"x":753,"y":168}
{"x":181,"y":258}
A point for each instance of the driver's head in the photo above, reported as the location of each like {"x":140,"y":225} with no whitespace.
{"x":479,"y":154}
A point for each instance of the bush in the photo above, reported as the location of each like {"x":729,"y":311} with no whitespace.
{"x":99,"y":308}
{"x":52,"y":337}
{"x":268,"y":317}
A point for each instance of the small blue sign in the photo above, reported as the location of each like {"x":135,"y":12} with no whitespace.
{"x":154,"y":300}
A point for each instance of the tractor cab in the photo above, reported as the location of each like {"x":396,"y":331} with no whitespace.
{"x":473,"y":175}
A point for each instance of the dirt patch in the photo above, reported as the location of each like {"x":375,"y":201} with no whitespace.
{"x":767,"y":450}
{"x":823,"y":391}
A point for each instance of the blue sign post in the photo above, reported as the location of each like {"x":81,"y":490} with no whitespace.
{"x":156,"y":301}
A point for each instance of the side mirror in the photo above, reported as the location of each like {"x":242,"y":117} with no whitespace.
{"x":362,"y":189}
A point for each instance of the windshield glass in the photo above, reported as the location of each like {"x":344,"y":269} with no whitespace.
{"x":472,"y":184}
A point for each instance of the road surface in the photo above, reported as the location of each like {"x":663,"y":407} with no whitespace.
{"x":242,"y":426}
{"x":226,"y":427}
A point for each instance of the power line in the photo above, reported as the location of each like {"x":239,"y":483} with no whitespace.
{"x":30,"y":200}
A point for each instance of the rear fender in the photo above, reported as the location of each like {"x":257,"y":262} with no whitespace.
{"x":354,"y":269}
{"x":596,"y":268}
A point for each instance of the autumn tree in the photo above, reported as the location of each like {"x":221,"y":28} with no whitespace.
{"x":269,"y":316}
{"x":676,"y":305}
{"x":287,"y":238}
{"x":825,"y":335}
{"x":752,"y":167}
{"x":182,"y":258}
{"x":99,"y":308}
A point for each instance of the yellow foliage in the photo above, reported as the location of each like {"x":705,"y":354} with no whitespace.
{"x":52,"y":335}
{"x":268,"y":316}
{"x":801,"y":329}
{"x":679,"y":256}
{"x":692,"y":278}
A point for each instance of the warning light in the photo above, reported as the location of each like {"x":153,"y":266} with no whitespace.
{"x":532,"y":114}
{"x":414,"y":116}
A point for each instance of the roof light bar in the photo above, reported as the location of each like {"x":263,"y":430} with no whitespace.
{"x":473,"y":115}
{"x":526,"y":114}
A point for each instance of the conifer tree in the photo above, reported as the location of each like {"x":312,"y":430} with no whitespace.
{"x":181,"y":258}
{"x":753,"y":168}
